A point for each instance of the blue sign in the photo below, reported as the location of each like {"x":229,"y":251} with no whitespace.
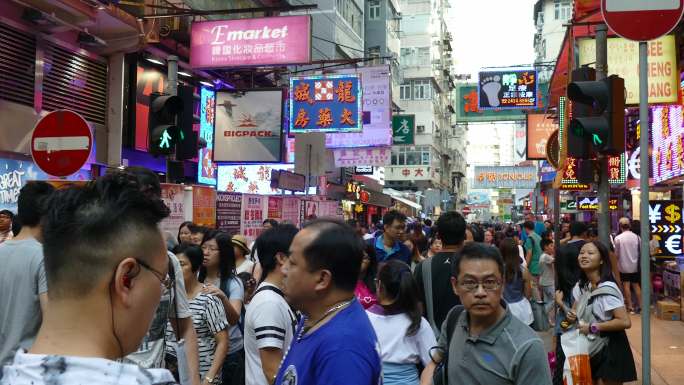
{"x":508,"y":89}
{"x":206,"y":172}
{"x":13,"y":176}
{"x":326,"y":103}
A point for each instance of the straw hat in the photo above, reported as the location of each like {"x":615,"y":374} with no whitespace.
{"x":241,"y":242}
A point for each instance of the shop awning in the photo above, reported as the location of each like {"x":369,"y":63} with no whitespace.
{"x":408,"y":203}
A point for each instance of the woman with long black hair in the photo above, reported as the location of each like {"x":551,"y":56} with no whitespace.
{"x":517,"y":282}
{"x":218,"y":276}
{"x":599,"y":312}
{"x":405,"y":337}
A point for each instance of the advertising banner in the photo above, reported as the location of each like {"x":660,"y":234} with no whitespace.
{"x":508,"y":89}
{"x":13,"y":176}
{"x":505,"y":176}
{"x":275,"y":208}
{"x":251,"y":42}
{"x":539,"y":128}
{"x":249,"y":179}
{"x":228,"y":212}
{"x":206,"y":170}
{"x":291,"y":210}
{"x":668,"y":142}
{"x":468,"y":110}
{"x":248,"y":126}
{"x":254,"y":210}
{"x":403,"y":129}
{"x":377,"y":107}
{"x":478,"y":199}
{"x":204,"y":206}
{"x":665,"y":218}
{"x":623,"y":60}
{"x":172,"y":195}
{"x":325,"y":103}
{"x":379,"y":156}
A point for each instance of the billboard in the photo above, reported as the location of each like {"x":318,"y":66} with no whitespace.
{"x":403,"y":129}
{"x":351,"y":157}
{"x":665,"y":219}
{"x":249,"y":179}
{"x":173,"y":197}
{"x":505,"y":177}
{"x":251,"y":42}
{"x":623,"y":60}
{"x":508,"y":89}
{"x":206,"y":170}
{"x":325,"y":103}
{"x":204,"y":206}
{"x":377,"y":107}
{"x":539,"y":128}
{"x":478,"y":199}
{"x":228,"y":212}
{"x":249,"y":126}
{"x":667,"y":161}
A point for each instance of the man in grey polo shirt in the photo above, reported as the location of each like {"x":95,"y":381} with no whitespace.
{"x":488,"y":345}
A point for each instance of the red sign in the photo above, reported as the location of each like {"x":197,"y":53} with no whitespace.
{"x":61,"y":143}
{"x":364,"y":196}
{"x":642,"y":20}
{"x":465,"y":210}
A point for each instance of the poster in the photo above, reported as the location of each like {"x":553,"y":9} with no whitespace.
{"x":254,"y":210}
{"x":539,"y":128}
{"x":172,"y":195}
{"x":667,"y":128}
{"x":508,"y":89}
{"x":204,"y":206}
{"x":275,"y":208}
{"x":228,"y":212}
{"x":291,"y":210}
{"x":665,"y":218}
{"x":377,"y":156}
{"x":206,"y":169}
{"x":325,"y":103}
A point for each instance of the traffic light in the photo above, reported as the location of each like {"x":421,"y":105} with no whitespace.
{"x":600,"y":117}
{"x":186,"y":147}
{"x":578,"y":146}
{"x":163,"y":131}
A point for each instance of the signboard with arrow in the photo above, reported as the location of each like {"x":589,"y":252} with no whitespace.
{"x":665,"y":218}
{"x":403,"y":129}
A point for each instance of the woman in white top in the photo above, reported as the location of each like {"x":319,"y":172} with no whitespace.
{"x":602,"y":314}
{"x":405,"y":337}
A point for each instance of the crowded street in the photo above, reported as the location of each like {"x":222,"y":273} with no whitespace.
{"x":348,"y":192}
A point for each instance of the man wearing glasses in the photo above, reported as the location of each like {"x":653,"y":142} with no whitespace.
{"x":389,"y":244}
{"x":483,"y":342}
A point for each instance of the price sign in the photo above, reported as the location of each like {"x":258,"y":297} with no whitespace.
{"x":665,"y":218}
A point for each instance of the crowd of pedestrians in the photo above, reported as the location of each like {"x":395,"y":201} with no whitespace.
{"x":97,"y":294}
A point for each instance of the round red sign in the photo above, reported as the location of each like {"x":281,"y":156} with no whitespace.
{"x":642,"y":20}
{"x":61,"y":143}
{"x":364,"y":196}
{"x":465,"y":210}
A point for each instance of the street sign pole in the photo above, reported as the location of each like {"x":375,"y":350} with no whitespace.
{"x":645,"y":252}
{"x":172,"y":89}
{"x":604,"y":186}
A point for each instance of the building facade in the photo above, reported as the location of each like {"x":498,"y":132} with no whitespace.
{"x":550,"y":17}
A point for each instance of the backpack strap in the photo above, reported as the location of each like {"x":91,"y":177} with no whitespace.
{"x":451,"y":321}
{"x":427,"y":286}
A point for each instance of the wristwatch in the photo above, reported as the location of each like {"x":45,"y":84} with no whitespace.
{"x":593,"y":328}
{"x":209,"y":379}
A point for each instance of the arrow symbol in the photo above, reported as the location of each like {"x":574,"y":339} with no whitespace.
{"x":679,"y":229}
{"x":399,"y":138}
{"x":654,"y":229}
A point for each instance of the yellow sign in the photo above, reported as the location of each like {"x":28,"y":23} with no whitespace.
{"x":623,"y":60}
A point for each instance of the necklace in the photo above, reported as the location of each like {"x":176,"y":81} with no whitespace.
{"x":333,"y":309}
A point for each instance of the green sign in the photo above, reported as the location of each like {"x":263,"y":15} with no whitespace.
{"x":403,"y":129}
{"x":468,"y":108}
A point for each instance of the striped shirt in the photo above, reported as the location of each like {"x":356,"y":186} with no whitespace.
{"x":208,"y":318}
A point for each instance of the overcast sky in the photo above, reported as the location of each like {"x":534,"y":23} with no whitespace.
{"x":491,"y":33}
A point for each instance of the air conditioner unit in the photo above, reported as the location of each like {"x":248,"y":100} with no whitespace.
{"x":420,"y":129}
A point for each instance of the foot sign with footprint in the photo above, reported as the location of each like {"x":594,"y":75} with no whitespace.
{"x":491,"y":86}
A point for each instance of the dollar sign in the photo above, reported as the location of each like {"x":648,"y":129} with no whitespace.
{"x":673,"y":214}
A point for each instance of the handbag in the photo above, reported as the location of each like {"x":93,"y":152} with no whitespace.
{"x":577,"y":367}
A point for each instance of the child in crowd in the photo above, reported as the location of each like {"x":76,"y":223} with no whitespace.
{"x":547,"y":277}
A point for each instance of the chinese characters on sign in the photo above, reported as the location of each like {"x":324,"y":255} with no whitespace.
{"x":508,"y":89}
{"x":206,"y":170}
{"x":254,"y":209}
{"x":330,"y":103}
{"x":403,"y":129}
{"x":668,"y":142}
{"x":539,"y":128}
{"x":172,"y":195}
{"x":228,"y":212}
{"x":617,"y":173}
{"x":379,"y":156}
{"x":505,"y":176}
{"x":204,"y":206}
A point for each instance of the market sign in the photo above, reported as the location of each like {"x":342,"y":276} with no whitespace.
{"x":665,"y":218}
{"x":539,"y":129}
{"x":505,"y":176}
{"x":508,"y":89}
{"x":251,"y":42}
{"x":325,"y":103}
{"x":468,"y":110}
{"x":623,"y":60}
{"x":668,"y":142}
{"x":403,"y":129}
{"x":206,"y":170}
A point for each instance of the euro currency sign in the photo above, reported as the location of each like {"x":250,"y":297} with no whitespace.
{"x":673,"y":214}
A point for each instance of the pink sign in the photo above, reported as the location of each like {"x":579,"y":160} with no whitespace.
{"x":376,"y":156}
{"x":251,"y":42}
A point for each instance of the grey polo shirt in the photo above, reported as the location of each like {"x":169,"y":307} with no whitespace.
{"x":509,"y":352}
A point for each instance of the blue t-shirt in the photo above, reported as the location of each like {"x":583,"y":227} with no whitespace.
{"x":399,"y":251}
{"x":343,"y":351}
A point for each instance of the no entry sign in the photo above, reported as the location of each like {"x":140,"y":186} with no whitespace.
{"x":61,"y":143}
{"x":642,"y":20}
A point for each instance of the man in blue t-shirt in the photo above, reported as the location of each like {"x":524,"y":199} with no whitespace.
{"x":334,"y":343}
{"x":388,"y":245}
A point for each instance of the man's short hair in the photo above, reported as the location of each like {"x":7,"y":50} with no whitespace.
{"x":272,"y":242}
{"x":147,"y":179}
{"x":8,"y":213}
{"x":528,"y":225}
{"x":32,"y":202}
{"x":578,"y":229}
{"x":88,"y":229}
{"x":336,"y":248}
{"x":451,"y":228}
{"x":271,"y":221}
{"x":476,"y":231}
{"x":476,"y":250}
{"x":428,"y":222}
{"x":391,"y":216}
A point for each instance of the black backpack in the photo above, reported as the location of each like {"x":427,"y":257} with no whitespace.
{"x":441,"y":375}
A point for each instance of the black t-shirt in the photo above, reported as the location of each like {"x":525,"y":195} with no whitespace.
{"x":443,"y":297}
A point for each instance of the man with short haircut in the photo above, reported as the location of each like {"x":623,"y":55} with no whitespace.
{"x":627,"y":250}
{"x":22,"y":277}
{"x":388,"y":245}
{"x":485,"y":343}
{"x":451,"y":230}
{"x":6,"y":218}
{"x":335,"y":343}
{"x":106,"y":266}
{"x":269,"y":321}
{"x":533,"y":252}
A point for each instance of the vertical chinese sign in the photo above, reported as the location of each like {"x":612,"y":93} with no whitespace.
{"x":228,"y":212}
{"x":204,"y":206}
{"x":254,"y":208}
{"x":291,"y":210}
{"x":206,"y":170}
{"x":667,"y":128}
{"x":275,"y":208}
{"x":172,"y":195}
{"x":326,"y":103}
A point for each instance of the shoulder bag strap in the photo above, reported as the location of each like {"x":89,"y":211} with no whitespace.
{"x":427,"y":285}
{"x":451,"y":320}
{"x":172,"y":275}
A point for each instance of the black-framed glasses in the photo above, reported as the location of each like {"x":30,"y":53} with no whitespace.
{"x":166,"y":282}
{"x":490,"y":284}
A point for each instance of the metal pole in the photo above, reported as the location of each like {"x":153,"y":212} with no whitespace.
{"x":556,"y":218}
{"x":604,"y":187}
{"x":171,"y":89}
{"x":645,"y":266}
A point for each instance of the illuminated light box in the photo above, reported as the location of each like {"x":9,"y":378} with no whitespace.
{"x":514,"y":88}
{"x":325,"y":103}
{"x":667,"y":160}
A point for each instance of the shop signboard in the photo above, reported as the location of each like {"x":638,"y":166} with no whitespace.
{"x":291,"y":210}
{"x":172,"y":195}
{"x":411,"y":173}
{"x":467,"y":109}
{"x":591,"y":203}
{"x":665,"y":218}
{"x":254,"y":211}
{"x":403,"y":129}
{"x":275,"y":208}
{"x":251,"y":42}
{"x":539,"y":128}
{"x":350,"y":157}
{"x":228,"y":212}
{"x":249,"y":126}
{"x":515,"y":88}
{"x":522,"y":177}
{"x":13,"y":176}
{"x":478,"y":199}
{"x":249,"y":179}
{"x":377,"y":109}
{"x":617,"y":173}
{"x":363,"y":170}
{"x":204,"y":206}
{"x":206,"y":169}
{"x":668,"y":142}
{"x":623,"y":60}
{"x":325,"y":103}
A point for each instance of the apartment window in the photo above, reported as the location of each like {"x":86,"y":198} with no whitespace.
{"x":540,"y":19}
{"x":352,"y":14}
{"x":374,"y":52}
{"x":374,"y":10}
{"x":562,"y":9}
{"x":421,"y":89}
{"x":405,"y":91}
{"x":411,"y":156}
{"x":423,"y":54}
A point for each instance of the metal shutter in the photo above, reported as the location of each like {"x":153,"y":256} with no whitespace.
{"x":17,"y":71}
{"x":75,"y":82}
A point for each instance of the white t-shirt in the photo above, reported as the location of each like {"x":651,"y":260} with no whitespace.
{"x":269,"y":322}
{"x":398,"y":348}
{"x":604,"y":304}
{"x":547,"y":271}
{"x":245,"y":267}
{"x":627,"y":250}
{"x":40,"y":369}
